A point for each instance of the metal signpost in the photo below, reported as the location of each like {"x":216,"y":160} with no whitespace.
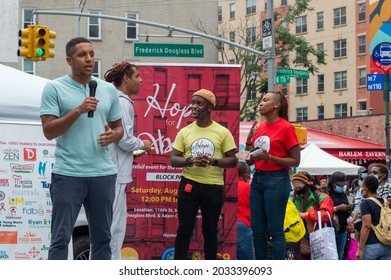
{"x":380,"y":61}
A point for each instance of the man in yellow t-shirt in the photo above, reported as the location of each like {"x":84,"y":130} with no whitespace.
{"x":204,"y":149}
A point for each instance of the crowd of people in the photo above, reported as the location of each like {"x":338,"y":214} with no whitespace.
{"x":349,"y":203}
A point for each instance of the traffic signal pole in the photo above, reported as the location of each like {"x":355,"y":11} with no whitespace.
{"x":386,"y":93}
{"x":271,"y":66}
{"x":170,"y":28}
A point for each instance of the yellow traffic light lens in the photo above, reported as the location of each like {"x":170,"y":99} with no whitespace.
{"x":41,"y":42}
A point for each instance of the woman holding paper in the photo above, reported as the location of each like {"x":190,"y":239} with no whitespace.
{"x":277,"y":149}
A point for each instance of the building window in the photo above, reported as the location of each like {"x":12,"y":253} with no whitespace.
{"x":320,"y":112}
{"x":301,"y":24}
{"x":131,"y":27}
{"x":301,"y":114}
{"x":321,"y":83}
{"x":341,"y":110}
{"x":340,"y":80}
{"x":250,"y":35}
{"x":27,"y":17}
{"x":362,"y":105}
{"x":319,"y":20}
{"x":219,"y":14}
{"x":94,"y":24}
{"x":362,"y":77}
{"x":361,"y":11}
{"x":301,"y":86}
{"x":300,"y":57}
{"x":28,"y":66}
{"x":340,"y":48}
{"x":251,"y":94}
{"x":362,"y":44}
{"x":251,"y":8}
{"x":320,"y":47}
{"x":232,"y":36}
{"x":340,"y":16}
{"x":284,"y":2}
{"x":232,"y":11}
{"x":96,"y":72}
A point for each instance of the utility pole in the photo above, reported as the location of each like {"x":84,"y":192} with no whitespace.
{"x":386,"y":94}
{"x":271,"y":66}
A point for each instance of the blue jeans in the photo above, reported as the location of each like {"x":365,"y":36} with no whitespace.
{"x":268,"y":198}
{"x":245,"y":244}
{"x":377,"y":251}
{"x":341,"y":242}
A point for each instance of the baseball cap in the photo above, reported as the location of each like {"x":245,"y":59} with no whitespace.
{"x":338,"y":178}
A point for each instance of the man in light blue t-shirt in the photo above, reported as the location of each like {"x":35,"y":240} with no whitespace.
{"x":84,"y":173}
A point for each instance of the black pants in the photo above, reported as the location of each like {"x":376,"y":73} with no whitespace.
{"x":208,"y":198}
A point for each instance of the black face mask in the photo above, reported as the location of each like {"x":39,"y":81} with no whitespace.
{"x":300,"y":192}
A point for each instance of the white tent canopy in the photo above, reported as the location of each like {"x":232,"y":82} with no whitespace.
{"x":318,"y":162}
{"x":20,"y":96}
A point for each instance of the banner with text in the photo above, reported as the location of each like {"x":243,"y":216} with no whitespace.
{"x":162,"y":108}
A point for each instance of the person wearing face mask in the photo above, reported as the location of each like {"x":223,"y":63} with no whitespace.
{"x":245,"y":245}
{"x":355,"y":221}
{"x":370,"y":247}
{"x":380,"y":171}
{"x":308,"y":200}
{"x":342,"y":209}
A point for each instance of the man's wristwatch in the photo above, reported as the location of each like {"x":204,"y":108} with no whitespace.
{"x":215,"y":162}
{"x":188,"y":163}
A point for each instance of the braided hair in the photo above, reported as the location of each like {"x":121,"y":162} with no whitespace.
{"x":118,"y":71}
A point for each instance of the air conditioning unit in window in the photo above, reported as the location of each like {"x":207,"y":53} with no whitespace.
{"x":362,"y":112}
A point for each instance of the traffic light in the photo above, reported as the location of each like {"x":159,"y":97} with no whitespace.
{"x":36,"y":40}
{"x":301,"y":133}
{"x":26,"y":41}
{"x":39,"y":43}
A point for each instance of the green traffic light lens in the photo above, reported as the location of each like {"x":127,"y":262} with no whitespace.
{"x":40,"y":52}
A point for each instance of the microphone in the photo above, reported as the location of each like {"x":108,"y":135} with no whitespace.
{"x":92,"y":85}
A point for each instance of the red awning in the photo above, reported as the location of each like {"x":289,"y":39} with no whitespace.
{"x":346,"y":147}
{"x":342,"y":147}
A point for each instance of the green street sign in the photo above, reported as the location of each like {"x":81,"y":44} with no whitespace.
{"x":283,"y":79}
{"x":168,"y":50}
{"x":296,"y":73}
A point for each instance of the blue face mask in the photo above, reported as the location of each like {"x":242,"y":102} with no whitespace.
{"x":339,"y":189}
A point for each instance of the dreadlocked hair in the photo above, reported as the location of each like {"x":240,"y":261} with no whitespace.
{"x":283,"y":113}
{"x":118,"y":71}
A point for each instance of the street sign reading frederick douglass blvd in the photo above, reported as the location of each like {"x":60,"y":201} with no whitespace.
{"x":283,"y":75}
{"x":168,"y":50}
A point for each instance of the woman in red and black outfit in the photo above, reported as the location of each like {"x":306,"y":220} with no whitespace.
{"x":279,"y":150}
